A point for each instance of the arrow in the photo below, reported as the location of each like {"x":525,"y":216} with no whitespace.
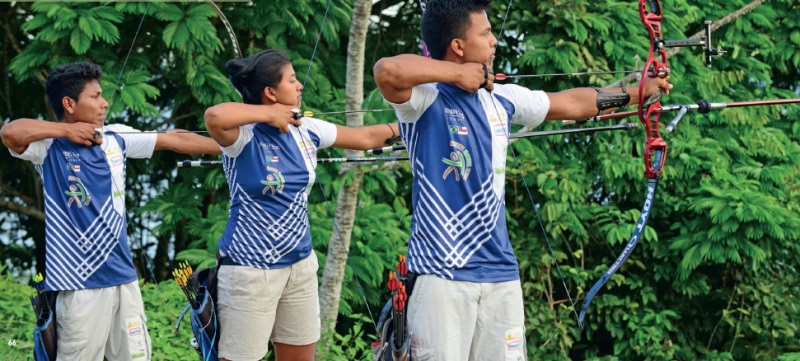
{"x":501,"y":76}
{"x":702,"y":106}
{"x":309,"y":113}
{"x":203,"y":163}
{"x":544,"y":133}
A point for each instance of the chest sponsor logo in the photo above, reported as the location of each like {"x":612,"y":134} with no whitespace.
{"x":502,"y":118}
{"x":499,"y":129}
{"x":308,"y":148}
{"x":71,"y":157}
{"x":273,"y":159}
{"x":459,"y":163}
{"x":454,"y":115}
{"x":455,"y":129}
{"x":114,"y":155}
{"x":269,"y":146}
{"x":77,"y":193}
{"x":274,"y":181}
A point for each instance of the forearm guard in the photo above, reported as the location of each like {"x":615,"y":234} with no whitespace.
{"x":612,"y":100}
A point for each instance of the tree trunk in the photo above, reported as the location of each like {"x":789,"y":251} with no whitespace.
{"x":331,"y":287}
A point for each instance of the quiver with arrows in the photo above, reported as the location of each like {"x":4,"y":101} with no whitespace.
{"x":394,"y":343}
{"x":200,"y":288}
{"x":44,"y":334}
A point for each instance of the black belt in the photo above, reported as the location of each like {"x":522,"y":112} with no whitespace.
{"x":227,"y":261}
{"x":412,"y":280}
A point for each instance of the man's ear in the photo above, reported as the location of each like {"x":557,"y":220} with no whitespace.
{"x":457,"y":46}
{"x":69,"y":104}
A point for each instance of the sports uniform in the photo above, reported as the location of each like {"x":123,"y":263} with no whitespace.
{"x":99,"y":310}
{"x":268,"y":279}
{"x":467,"y":300}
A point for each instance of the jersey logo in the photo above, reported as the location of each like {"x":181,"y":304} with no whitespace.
{"x":454,"y":115}
{"x":308,"y":148}
{"x":500,"y":130}
{"x":114,"y":155}
{"x":77,"y":193}
{"x":269,"y":146}
{"x":460,"y":162}
{"x":274,"y":182}
{"x":455,"y":129}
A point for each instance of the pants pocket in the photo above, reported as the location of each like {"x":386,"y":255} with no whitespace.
{"x":138,"y":338}
{"x":515,"y":344}
{"x":75,"y":316}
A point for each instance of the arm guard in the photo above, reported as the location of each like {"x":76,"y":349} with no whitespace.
{"x":612,"y":100}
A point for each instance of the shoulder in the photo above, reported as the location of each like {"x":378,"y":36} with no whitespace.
{"x":119,"y":128}
{"x":313,"y":123}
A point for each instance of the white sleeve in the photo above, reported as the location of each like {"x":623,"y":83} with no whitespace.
{"x":245,"y":135}
{"x":530,"y":106}
{"x":36,"y":151}
{"x":422,"y":96}
{"x":138,"y":144}
{"x":326,"y":132}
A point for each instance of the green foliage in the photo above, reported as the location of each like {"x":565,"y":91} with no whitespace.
{"x":352,"y":345}
{"x":703,"y":282}
{"x":379,"y":235}
{"x":715,"y":276}
{"x":18,"y":318}
{"x":163,"y":303}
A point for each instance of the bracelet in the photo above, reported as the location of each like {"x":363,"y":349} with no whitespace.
{"x":394,"y":139}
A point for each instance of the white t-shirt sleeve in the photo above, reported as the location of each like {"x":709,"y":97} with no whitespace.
{"x":36,"y":152}
{"x":422,"y":96}
{"x":245,"y":136}
{"x":326,"y":132}
{"x":138,"y":144}
{"x":530,"y":106}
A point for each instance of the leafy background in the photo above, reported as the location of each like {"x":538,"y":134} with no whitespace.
{"x":714,"y":278}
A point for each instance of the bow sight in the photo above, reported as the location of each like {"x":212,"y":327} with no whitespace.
{"x":660,"y":44}
{"x":704,"y":41}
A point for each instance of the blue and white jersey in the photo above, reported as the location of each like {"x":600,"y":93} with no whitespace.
{"x":84,"y":206}
{"x":457,"y":145}
{"x":270,"y":175}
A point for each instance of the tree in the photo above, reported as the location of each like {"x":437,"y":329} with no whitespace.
{"x":714,"y":278}
{"x":346,"y":204}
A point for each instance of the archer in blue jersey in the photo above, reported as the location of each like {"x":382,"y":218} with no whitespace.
{"x":82,"y":166}
{"x":467,"y":302}
{"x":267,"y":286}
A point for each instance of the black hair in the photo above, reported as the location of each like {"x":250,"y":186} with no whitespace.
{"x":69,"y":80}
{"x":445,"y":20}
{"x":251,"y":75}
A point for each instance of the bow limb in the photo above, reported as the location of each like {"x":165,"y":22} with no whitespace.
{"x":655,"y":151}
{"x":148,"y":262}
{"x":234,"y":42}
